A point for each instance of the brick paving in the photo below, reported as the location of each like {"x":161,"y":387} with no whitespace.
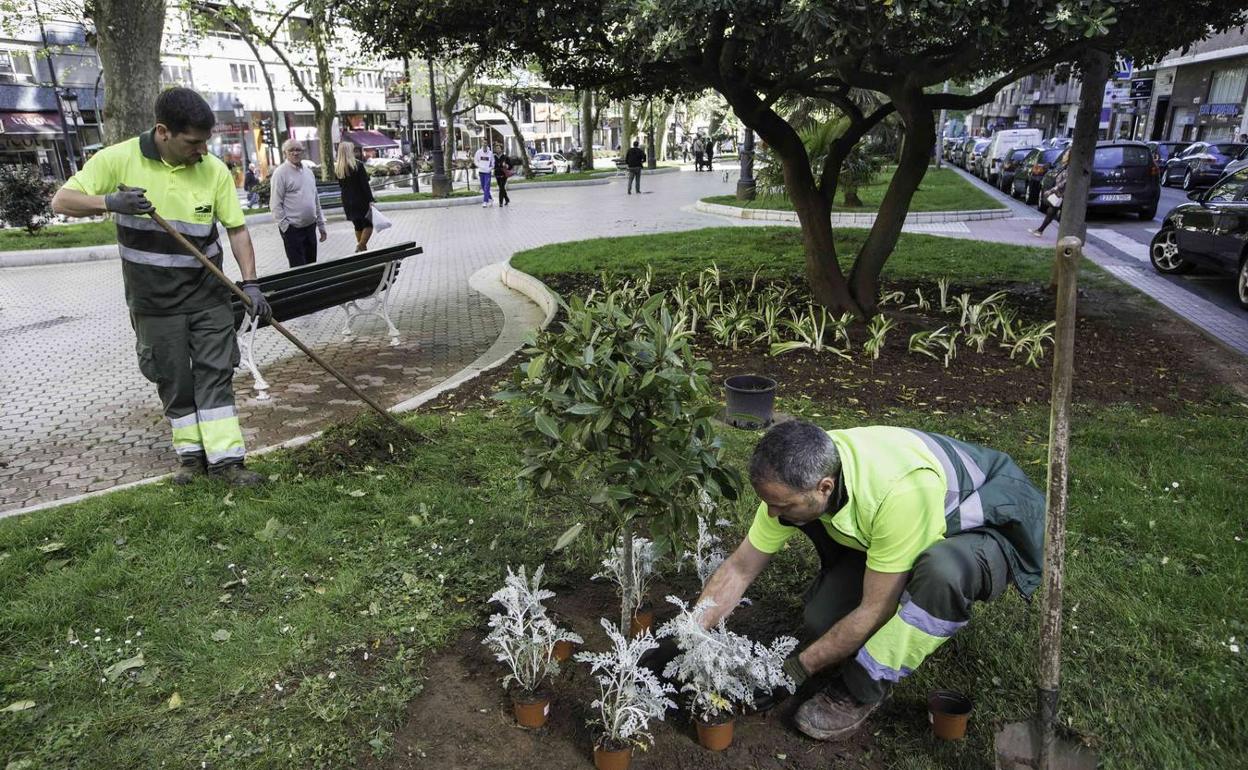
{"x":79,"y":417}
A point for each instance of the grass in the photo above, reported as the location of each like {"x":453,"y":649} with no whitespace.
{"x":778,"y":252}
{"x":424,"y":196}
{"x":574,"y":176}
{"x":942,"y":190}
{"x":59,"y":237}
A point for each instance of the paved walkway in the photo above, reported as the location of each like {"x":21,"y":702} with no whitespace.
{"x":78,"y":416}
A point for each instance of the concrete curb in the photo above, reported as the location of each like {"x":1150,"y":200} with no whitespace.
{"x":499,"y":282}
{"x":853,"y":220}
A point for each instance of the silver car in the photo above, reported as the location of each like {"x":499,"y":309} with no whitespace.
{"x":549,"y":163}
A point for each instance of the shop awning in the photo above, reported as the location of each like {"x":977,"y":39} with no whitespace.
{"x":27,"y":123}
{"x":501,"y":126}
{"x":370,"y":139}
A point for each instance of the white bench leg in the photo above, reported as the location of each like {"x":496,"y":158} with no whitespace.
{"x":246,"y":346}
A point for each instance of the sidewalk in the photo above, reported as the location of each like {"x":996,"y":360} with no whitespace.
{"x":79,"y":417}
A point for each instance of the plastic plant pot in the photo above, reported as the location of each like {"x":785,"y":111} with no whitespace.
{"x":751,"y":401}
{"x":563,"y":650}
{"x":714,"y":736}
{"x":608,"y":759}
{"x":949,"y":711}
{"x":530,"y":709}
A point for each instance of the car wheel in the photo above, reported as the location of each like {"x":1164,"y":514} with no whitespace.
{"x":1242,"y":282}
{"x":1188,"y":181}
{"x":1149,"y":214}
{"x":1164,"y":253}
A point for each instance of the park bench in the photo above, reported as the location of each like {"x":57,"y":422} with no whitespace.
{"x":360,"y":284}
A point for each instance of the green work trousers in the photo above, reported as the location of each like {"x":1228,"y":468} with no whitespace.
{"x":945,"y":580}
{"x":191,"y":358}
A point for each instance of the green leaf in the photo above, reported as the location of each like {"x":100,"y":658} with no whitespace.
{"x":20,"y":705}
{"x":546,"y":424}
{"x":584,"y":409}
{"x":121,"y":667}
{"x":51,"y":547}
{"x":568,"y":536}
{"x":270,"y":531}
{"x":174,"y":702}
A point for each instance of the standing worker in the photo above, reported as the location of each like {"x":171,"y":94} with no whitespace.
{"x":635,"y":158}
{"x":183,"y":324}
{"x":295,"y":206}
{"x":911,"y":529}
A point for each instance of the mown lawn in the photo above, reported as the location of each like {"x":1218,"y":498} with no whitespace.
{"x":292,"y":622}
{"x":941,"y":190}
{"x":425,"y":196}
{"x":59,"y":236}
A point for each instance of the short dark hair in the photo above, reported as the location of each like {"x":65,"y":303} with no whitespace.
{"x":181,"y":108}
{"x":636,"y":142}
{"x":797,"y":454}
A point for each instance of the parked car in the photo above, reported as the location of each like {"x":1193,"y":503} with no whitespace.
{"x":949,"y":145}
{"x":1057,"y":143}
{"x":1011,"y":165}
{"x":1164,"y":151}
{"x":1209,"y":232}
{"x":962,"y":151}
{"x":1201,"y":164}
{"x":975,"y":156}
{"x":387,"y":166}
{"x":1240,"y":162}
{"x":549,"y":163}
{"x":1124,"y":178}
{"x":1026,"y":183}
{"x":1000,"y":146}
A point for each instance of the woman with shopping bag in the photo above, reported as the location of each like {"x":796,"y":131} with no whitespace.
{"x":357,"y":193}
{"x":1053,"y":201}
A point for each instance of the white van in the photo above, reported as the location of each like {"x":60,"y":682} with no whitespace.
{"x":1002,"y":142}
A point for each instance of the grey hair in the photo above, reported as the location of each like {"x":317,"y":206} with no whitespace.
{"x":289,"y":143}
{"x":797,"y":454}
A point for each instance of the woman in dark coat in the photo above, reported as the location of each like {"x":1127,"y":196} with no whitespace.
{"x":502,"y":170}
{"x":357,"y":193}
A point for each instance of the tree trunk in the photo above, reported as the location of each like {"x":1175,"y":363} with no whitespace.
{"x":626,"y":127}
{"x":628,"y":604}
{"x":1074,"y":217}
{"x":651,"y":160}
{"x":668,"y":114}
{"x":129,"y":36}
{"x":587,"y":132}
{"x":919,"y":137}
{"x":329,"y":104}
{"x":450,"y":99}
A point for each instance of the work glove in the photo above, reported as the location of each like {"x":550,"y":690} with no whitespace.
{"x":259,"y":305}
{"x":128,"y":201}
{"x":796,"y":671}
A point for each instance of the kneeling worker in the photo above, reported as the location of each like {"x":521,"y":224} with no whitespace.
{"x":911,"y":528}
{"x":180,"y":312}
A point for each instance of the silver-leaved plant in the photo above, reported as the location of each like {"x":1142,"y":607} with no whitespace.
{"x":522,"y":635}
{"x":722,"y":671}
{"x":706,"y":554}
{"x":631,"y":585}
{"x":629,"y":694}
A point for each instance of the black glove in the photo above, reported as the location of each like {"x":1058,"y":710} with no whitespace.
{"x":128,"y":201}
{"x":259,"y":305}
{"x":796,"y":671}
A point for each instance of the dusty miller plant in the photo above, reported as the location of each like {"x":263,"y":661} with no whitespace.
{"x":629,"y":694}
{"x":721,"y":670}
{"x":523,"y":636}
{"x":706,"y":554}
{"x":631,"y":581}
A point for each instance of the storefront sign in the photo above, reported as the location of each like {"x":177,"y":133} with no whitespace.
{"x":1220,"y":109}
{"x":29,"y":123}
{"x":1142,"y":89}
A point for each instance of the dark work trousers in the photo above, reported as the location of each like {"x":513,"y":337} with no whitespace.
{"x":300,"y":244}
{"x":697,"y":161}
{"x":634,"y":179}
{"x":503,"y":198}
{"x":191,"y":358}
{"x":1051,"y":212}
{"x":945,"y":580}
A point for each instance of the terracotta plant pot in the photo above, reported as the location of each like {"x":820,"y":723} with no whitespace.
{"x":714,"y":737}
{"x":563,"y":650}
{"x":531,"y":710}
{"x":607,"y":759}
{"x":642,"y":620}
{"x":949,"y":712}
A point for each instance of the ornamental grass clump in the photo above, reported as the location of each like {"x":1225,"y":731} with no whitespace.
{"x":523,"y":636}
{"x":629,"y":694}
{"x":722,"y":671}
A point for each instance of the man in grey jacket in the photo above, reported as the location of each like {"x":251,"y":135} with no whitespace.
{"x":295,"y":207}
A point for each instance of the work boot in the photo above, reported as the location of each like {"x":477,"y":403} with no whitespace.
{"x":833,"y":714}
{"x":189,"y":468}
{"x":236,"y":475}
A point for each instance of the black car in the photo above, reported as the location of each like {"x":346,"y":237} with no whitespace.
{"x":1164,"y":151}
{"x":1012,"y":165}
{"x":1026,"y":183}
{"x":1200,"y":164}
{"x":1210,"y":232}
{"x":1124,"y":178}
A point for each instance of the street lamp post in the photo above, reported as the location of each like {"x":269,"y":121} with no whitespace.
{"x":441,"y":186}
{"x":745,"y":182}
{"x":74,"y":117}
{"x":240,"y":113}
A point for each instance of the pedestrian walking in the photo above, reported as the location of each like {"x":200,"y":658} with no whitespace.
{"x":295,"y":206}
{"x":912,"y":529}
{"x":1053,"y":201}
{"x":684,"y":151}
{"x":502,"y":172}
{"x":484,"y":160}
{"x":181,"y":314}
{"x":710,"y":154}
{"x":698,"y":151}
{"x":250,"y":182}
{"x":357,"y":193}
{"x":634,"y":159}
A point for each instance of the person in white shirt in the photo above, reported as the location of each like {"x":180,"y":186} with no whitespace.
{"x":484,"y":160}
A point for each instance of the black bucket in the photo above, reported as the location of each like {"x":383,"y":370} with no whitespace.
{"x":751,"y":399}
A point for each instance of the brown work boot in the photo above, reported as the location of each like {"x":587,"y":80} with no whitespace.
{"x":833,"y":714}
{"x":189,"y":468}
{"x":236,"y":475}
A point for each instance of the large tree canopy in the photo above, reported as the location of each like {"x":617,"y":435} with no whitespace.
{"x":756,"y":52}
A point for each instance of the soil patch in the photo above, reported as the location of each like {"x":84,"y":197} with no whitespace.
{"x":463,"y":718}
{"x":348,"y":446}
{"x":1126,"y":352}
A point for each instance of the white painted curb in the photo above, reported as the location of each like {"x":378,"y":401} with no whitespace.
{"x":840,"y":219}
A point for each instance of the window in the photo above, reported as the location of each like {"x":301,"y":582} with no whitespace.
{"x":14,"y":66}
{"x":1228,"y":189}
{"x":243,"y":73}
{"x":1228,"y":86}
{"x":1121,"y":156}
{"x":174,"y":74}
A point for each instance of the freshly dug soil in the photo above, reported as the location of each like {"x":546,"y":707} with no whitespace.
{"x":463,"y":718}
{"x":1126,"y":351}
{"x":367,"y":440}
